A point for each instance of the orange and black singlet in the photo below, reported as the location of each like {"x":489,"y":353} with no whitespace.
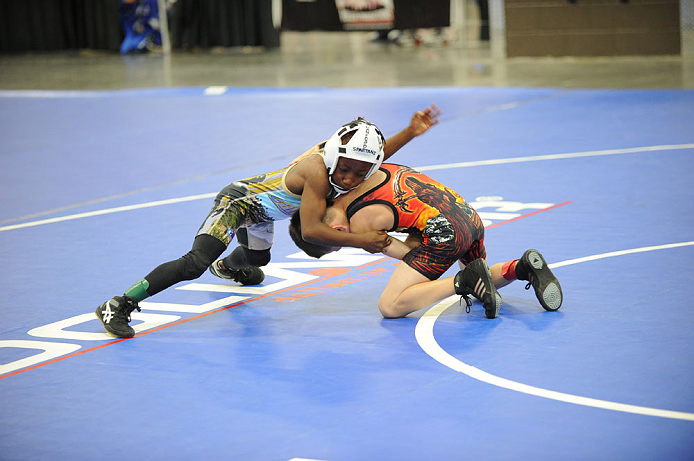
{"x":450,"y":228}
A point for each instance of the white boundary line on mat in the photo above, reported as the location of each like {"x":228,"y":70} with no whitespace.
{"x":107,"y":211}
{"x":535,"y":158}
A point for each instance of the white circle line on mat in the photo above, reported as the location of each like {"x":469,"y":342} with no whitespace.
{"x":424,"y":333}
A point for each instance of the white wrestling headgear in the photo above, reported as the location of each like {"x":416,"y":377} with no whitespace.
{"x":366,"y":144}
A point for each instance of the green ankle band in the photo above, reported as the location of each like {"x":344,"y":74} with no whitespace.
{"x":138,"y":291}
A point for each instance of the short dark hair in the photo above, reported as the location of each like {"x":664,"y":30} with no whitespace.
{"x":312,"y":249}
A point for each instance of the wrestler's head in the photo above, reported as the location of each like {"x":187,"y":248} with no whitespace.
{"x":335,"y":217}
{"x":352,"y":154}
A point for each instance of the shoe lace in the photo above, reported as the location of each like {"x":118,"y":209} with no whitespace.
{"x":130,"y":305}
{"x":468,"y":303}
{"x":530,"y":281}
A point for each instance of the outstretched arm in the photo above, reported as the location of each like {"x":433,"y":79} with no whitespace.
{"x":421,"y":121}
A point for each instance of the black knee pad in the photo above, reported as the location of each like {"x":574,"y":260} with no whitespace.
{"x":194,"y":264}
{"x":257,"y":257}
{"x":248,"y":257}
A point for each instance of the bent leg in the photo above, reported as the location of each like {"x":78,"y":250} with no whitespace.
{"x":254,"y":246}
{"x":242,"y":265}
{"x":242,"y":257}
{"x":408,"y":291}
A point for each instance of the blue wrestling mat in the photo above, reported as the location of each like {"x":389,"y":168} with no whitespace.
{"x":98,"y":188}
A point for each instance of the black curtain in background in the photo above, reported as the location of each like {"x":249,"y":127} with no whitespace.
{"x":414,"y":14}
{"x":306,"y":16}
{"x":211,"y":23}
{"x":44,"y":25}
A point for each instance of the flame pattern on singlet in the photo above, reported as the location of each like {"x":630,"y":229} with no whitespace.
{"x":450,"y":228}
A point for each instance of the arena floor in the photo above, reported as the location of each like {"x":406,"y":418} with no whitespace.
{"x":109,"y":164}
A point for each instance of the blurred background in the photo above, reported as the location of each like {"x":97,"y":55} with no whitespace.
{"x":117,"y":44}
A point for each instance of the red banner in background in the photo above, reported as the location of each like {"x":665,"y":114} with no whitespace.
{"x":366,"y":14}
{"x":305,"y":15}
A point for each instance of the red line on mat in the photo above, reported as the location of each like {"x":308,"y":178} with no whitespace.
{"x":529,"y":214}
{"x":325,"y":272}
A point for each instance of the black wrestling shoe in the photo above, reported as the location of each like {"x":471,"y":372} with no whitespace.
{"x":115,"y":315}
{"x":250,"y":275}
{"x":476,"y":280}
{"x":533,"y":268}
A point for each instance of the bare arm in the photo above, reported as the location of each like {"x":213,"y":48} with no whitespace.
{"x":398,"y":249}
{"x":312,"y":211}
{"x":421,"y":121}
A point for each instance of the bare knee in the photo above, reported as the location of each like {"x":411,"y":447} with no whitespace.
{"x":389,"y":310}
